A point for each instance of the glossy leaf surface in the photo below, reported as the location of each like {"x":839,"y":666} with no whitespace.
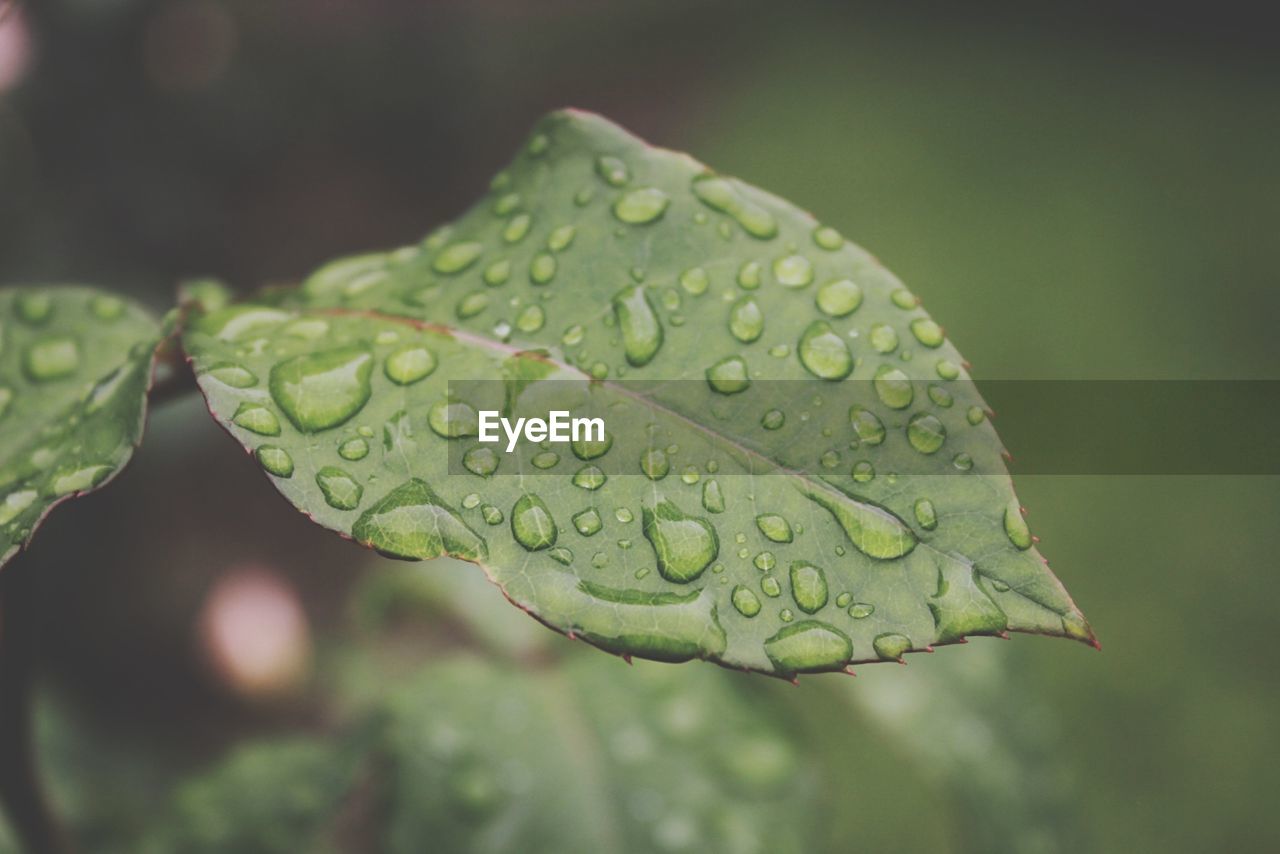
{"x":744,"y":533}
{"x":75,"y":366}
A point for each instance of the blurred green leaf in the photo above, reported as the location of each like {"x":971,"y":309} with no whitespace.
{"x":266,"y":797}
{"x":614,"y":259}
{"x":590,"y":756}
{"x":75,"y":365}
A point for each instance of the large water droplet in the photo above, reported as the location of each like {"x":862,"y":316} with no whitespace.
{"x":774,"y":527}
{"x":961,"y":607}
{"x":745,"y":601}
{"x":728,"y":197}
{"x":839,"y":298}
{"x":695,"y":280}
{"x":77,"y":478}
{"x":457,"y":257}
{"x":481,"y":461}
{"x":34,"y":308}
{"x":413,"y":522}
{"x":749,"y":276}
{"x":531,"y":523}
{"x":891,"y":647}
{"x":828,"y":238}
{"x":588,"y":522}
{"x":497,"y":273}
{"x":542,"y":269}
{"x":590,"y":449}
{"x":893,"y":387}
{"x":925,"y":514}
{"x":926,"y":433}
{"x":51,"y":359}
{"x":340,"y":490}
{"x":809,"y":646}
{"x":641,"y":206}
{"x":883,"y":338}
{"x":746,"y":320}
{"x":866,"y":425}
{"x":472,"y":304}
{"x":453,"y":419}
{"x":322,"y":390}
{"x":232,"y":375}
{"x":409,"y":365}
{"x":665,"y":626}
{"x":712,"y":499}
{"x":774,"y":419}
{"x":506,"y":204}
{"x":639,"y":324}
{"x":14,"y":503}
{"x":517,"y":228}
{"x":793,"y":271}
{"x":256,"y":418}
{"x":729,"y":375}
{"x":612,"y":170}
{"x":1015,"y":526}
{"x":275,"y":460}
{"x":538,"y":144}
{"x":684,"y":545}
{"x":808,"y":586}
{"x":573,"y":335}
{"x":927,"y":332}
{"x":531,"y":318}
{"x":873,"y":530}
{"x":903,"y":299}
{"x":824,"y":353}
{"x":589,"y":477}
{"x":654,"y":464}
{"x":234,"y":322}
{"x":354,"y":449}
{"x":560,"y":239}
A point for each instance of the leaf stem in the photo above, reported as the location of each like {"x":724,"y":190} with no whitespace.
{"x":21,"y":795}
{"x":173,"y":379}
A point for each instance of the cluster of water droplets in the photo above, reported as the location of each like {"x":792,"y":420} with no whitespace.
{"x":501,"y":273}
{"x":66,"y":426}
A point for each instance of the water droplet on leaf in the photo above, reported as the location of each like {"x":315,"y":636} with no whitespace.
{"x":683,"y":545}
{"x":322,"y":390}
{"x":728,"y":376}
{"x":639,"y":207}
{"x":824,"y":353}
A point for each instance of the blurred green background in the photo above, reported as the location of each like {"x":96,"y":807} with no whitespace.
{"x":1092,"y":196}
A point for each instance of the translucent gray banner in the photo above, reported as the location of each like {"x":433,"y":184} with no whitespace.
{"x":890,"y":425}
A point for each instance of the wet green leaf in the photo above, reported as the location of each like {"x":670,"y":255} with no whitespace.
{"x":277,"y":796}
{"x":648,"y":759}
{"x":816,"y":491}
{"x":75,"y":365}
